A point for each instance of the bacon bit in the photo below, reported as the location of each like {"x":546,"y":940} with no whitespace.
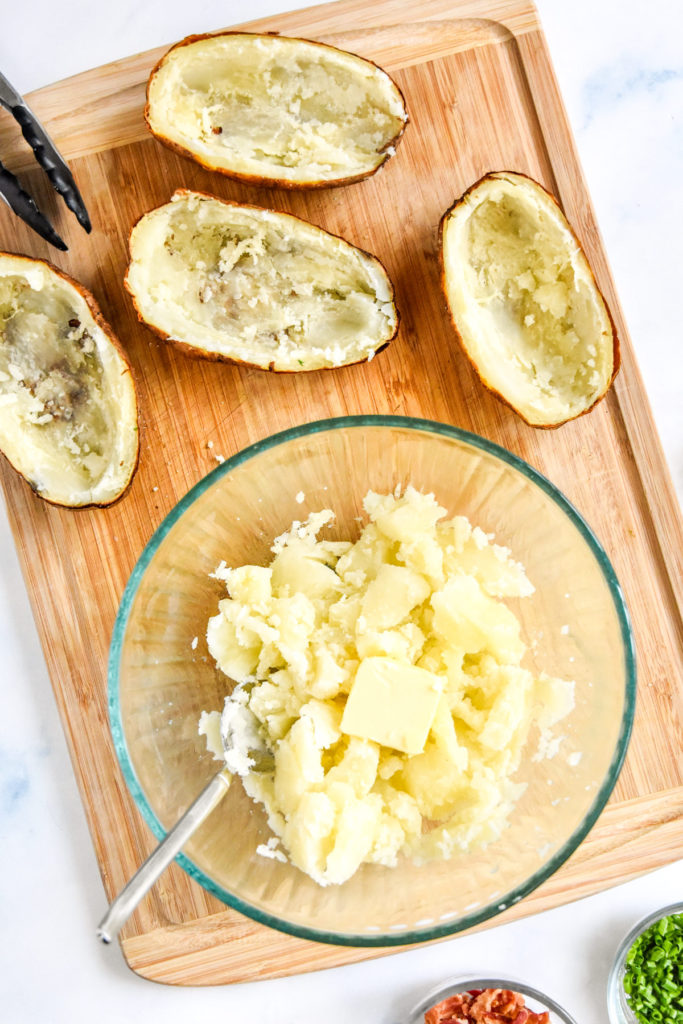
{"x":485,"y":1006}
{"x":217,"y":130}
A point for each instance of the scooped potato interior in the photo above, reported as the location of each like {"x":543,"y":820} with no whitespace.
{"x":68,"y":419}
{"x":524,"y":301}
{"x":277,"y":108}
{"x":258,"y":287}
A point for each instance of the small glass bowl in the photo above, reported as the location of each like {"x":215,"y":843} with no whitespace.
{"x":535,"y":1000}
{"x":619,"y":1009}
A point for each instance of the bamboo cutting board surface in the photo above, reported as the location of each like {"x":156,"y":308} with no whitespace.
{"x":482,"y":96}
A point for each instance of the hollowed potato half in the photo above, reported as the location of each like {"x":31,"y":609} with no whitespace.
{"x":253,"y":286}
{"x":68,"y":410}
{"x":524,"y":302}
{"x":274,"y":110}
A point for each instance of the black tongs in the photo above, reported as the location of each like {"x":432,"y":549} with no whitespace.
{"x":50,"y":159}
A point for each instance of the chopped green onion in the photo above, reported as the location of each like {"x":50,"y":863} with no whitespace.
{"x":653,"y":977}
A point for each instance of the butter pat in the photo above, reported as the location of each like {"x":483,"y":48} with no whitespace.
{"x":392,"y":703}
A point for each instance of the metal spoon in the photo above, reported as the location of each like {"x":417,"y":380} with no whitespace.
{"x":244,"y":750}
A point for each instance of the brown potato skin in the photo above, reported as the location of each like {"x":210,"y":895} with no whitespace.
{"x":254,"y":179}
{"x":198,"y":353}
{"x":616,"y":354}
{"x":99,"y":319}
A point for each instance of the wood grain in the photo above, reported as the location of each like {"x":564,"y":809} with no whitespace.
{"x":629,"y":839}
{"x":482,"y":96}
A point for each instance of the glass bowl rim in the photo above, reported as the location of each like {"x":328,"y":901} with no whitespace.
{"x":426,"y":932}
{"x":614,"y":979}
{"x":467,"y":982}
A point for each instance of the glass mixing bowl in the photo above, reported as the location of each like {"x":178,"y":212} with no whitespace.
{"x":161,"y":677}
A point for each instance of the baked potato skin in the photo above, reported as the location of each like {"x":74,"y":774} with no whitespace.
{"x":259,"y":180}
{"x":616,"y":353}
{"x":196,"y":353}
{"x":213,"y":357}
{"x":105,"y":327}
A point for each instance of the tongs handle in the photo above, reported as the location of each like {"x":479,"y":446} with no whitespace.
{"x":49,"y":158}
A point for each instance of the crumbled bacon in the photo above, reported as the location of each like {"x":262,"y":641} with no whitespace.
{"x":485,"y":1006}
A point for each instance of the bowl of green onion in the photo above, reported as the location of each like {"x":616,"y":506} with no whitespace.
{"x":645,"y":985}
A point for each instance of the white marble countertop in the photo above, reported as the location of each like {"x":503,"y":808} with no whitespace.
{"x":620,"y":68}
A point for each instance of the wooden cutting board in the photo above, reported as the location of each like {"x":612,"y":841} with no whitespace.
{"x":482,"y":96}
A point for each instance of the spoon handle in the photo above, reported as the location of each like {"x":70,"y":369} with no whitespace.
{"x":144,"y":878}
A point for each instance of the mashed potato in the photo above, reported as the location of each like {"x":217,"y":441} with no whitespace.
{"x":386,"y":675}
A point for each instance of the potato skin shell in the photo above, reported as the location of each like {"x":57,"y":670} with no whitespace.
{"x":103,"y":324}
{"x":616,"y":353}
{"x":255,"y":179}
{"x":215,"y":357}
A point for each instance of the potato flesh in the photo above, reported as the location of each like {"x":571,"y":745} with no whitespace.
{"x":401,"y":595}
{"x":258,"y":287}
{"x":276,"y":108}
{"x":61,"y":407}
{"x":525,"y":304}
